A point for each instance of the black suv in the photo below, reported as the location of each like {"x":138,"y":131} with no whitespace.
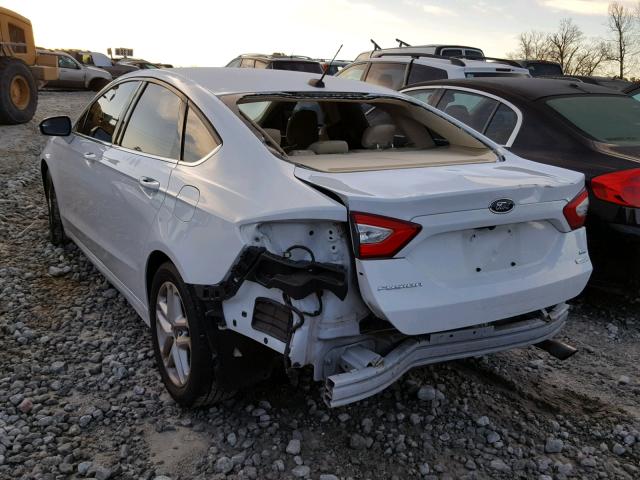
{"x":277,"y":61}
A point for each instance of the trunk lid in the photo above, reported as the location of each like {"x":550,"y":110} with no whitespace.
{"x":467,"y":265}
{"x":413,"y":192}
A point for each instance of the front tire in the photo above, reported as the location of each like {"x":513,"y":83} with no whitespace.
{"x":180,"y":345}
{"x":56,"y":229}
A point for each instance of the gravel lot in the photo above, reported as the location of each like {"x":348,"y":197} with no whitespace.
{"x":80,"y":395}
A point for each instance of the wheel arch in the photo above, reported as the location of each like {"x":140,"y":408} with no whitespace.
{"x":44,"y":169}
{"x":156,"y":258}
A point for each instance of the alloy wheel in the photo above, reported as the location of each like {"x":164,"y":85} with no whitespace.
{"x":172,"y":332}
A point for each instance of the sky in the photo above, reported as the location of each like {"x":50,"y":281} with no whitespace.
{"x":212,"y":33}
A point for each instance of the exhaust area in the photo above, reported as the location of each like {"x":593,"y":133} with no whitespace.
{"x":557,"y":349}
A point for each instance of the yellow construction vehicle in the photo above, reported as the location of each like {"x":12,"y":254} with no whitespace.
{"x":22,"y":69}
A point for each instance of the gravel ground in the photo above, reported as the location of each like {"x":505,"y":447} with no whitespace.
{"x":80,"y":396}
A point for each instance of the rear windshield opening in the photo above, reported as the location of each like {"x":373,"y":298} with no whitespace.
{"x":347,"y":134}
{"x":309,"y":67}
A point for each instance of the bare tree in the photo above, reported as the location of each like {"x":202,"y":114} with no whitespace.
{"x":591,"y":57}
{"x":532,"y":45}
{"x":622,"y":24}
{"x":565,"y":44}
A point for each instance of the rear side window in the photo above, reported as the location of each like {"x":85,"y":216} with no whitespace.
{"x":102,"y":118}
{"x":424,"y":95}
{"x":502,"y":124}
{"x":471,"y":109}
{"x":390,"y":75}
{"x":423,"y":73}
{"x":155,"y":126}
{"x":199,"y":140}
{"x":354,"y":72}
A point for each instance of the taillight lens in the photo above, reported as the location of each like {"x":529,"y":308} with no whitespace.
{"x":622,"y":188}
{"x":576,"y":210}
{"x":376,"y":236}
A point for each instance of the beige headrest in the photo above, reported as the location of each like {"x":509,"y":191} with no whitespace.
{"x":324,"y":147}
{"x":274,"y":133}
{"x":378,"y":136}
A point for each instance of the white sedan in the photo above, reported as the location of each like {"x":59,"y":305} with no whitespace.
{"x":259,"y":219}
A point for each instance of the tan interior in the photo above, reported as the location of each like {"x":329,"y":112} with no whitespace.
{"x":363,"y":160}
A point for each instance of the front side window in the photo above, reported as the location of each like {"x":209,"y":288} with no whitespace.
{"x":424,"y":95}
{"x":636,"y":96}
{"x":198,"y":138}
{"x":66,"y":62}
{"x":354,"y":72}
{"x":472,"y":53}
{"x":470,"y":108}
{"x":611,"y":119}
{"x":102,"y":118}
{"x":390,"y":75}
{"x":247,"y":63}
{"x":155,"y":126}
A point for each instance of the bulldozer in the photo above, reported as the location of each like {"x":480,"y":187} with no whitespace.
{"x":22,"y":69}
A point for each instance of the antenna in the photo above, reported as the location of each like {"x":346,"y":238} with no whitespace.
{"x":317,"y":82}
{"x":375,"y":45}
{"x":401,"y":43}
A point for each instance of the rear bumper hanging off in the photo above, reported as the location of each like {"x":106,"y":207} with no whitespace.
{"x":373,"y":377}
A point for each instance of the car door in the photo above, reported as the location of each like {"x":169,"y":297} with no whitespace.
{"x":135,"y":174}
{"x":79,"y":187}
{"x":71,"y":73}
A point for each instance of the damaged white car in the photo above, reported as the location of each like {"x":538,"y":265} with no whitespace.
{"x":256,"y":219}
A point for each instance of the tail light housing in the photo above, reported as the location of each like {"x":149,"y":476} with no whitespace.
{"x":621,"y":188}
{"x":576,"y":210}
{"x":375,"y":236}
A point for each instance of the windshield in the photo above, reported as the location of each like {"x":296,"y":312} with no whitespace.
{"x":611,"y":119}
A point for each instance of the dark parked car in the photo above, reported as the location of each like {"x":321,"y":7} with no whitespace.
{"x":542,"y":68}
{"x":579,"y":126}
{"x":634,"y":91}
{"x":608,"y":82}
{"x":277,"y":61}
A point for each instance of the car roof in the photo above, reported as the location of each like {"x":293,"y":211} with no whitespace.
{"x":526,"y":88}
{"x":225,"y":80}
{"x":448,"y":62}
{"x":275,"y":57}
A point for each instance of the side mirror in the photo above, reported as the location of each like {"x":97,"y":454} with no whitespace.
{"x":56,"y":126}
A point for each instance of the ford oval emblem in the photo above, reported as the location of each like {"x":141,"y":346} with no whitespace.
{"x":503,"y":205}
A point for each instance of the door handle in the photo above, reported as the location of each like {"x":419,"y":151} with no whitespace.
{"x":89,"y":156}
{"x":149,"y":183}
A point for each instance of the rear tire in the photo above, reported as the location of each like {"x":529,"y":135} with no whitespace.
{"x":18,"y":92}
{"x":56,"y":229}
{"x":180,"y":344}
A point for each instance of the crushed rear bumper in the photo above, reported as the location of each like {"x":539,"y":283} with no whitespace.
{"x":375,"y":373}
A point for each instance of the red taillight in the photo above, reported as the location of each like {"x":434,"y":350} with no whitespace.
{"x":576,"y":210}
{"x":622,"y":188}
{"x":376,"y":236}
